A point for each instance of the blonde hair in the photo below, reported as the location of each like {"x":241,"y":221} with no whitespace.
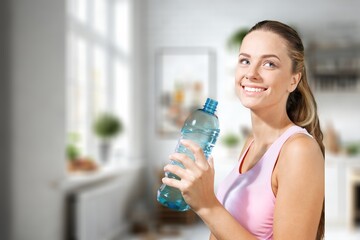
{"x":301,"y":106}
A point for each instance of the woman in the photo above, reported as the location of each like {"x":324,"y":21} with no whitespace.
{"x":276,"y":191}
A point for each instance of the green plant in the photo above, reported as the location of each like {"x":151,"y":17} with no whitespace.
{"x":107,"y":125}
{"x":353,"y":148}
{"x":230,"y":140}
{"x":72,"y":152}
{"x":236,"y":38}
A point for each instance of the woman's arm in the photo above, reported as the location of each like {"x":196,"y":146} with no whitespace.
{"x":300,"y":189}
{"x":197,"y":188}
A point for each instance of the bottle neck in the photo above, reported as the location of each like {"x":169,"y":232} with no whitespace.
{"x":210,"y":106}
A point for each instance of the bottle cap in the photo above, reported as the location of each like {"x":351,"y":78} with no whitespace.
{"x":210,"y":105}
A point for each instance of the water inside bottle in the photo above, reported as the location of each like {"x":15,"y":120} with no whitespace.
{"x":202,"y":127}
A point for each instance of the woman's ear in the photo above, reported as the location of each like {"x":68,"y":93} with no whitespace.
{"x":295,"y":79}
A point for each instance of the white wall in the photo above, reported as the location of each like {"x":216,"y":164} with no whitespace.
{"x":139,"y":85}
{"x":37,"y":70}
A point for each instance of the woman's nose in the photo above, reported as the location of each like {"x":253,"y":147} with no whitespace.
{"x":252,"y":73}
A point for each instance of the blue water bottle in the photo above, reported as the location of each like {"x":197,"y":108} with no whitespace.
{"x":202,"y":127}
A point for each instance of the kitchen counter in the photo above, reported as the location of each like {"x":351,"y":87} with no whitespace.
{"x":78,"y":180}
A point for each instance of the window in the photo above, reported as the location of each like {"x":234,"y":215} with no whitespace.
{"x":98,"y":69}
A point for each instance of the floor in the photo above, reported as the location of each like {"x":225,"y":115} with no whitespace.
{"x":199,"y":231}
{"x":196,"y":231}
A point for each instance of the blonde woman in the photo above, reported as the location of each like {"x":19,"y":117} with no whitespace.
{"x":276,"y":191}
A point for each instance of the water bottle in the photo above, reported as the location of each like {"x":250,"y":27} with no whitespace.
{"x":202,"y":127}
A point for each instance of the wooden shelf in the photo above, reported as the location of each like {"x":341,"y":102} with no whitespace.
{"x":168,"y":216}
{"x":336,"y":82}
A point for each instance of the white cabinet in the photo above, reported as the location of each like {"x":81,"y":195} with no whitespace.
{"x":337,"y":188}
{"x":332,"y":211}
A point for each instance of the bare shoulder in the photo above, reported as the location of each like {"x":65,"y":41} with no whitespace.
{"x":301,"y":153}
{"x":301,"y":145}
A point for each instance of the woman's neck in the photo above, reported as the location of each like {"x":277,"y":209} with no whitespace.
{"x":268,"y":126}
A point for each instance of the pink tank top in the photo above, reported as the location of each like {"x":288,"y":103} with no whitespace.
{"x":249,"y":196}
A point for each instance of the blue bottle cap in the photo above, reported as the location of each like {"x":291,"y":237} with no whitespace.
{"x":210,"y":105}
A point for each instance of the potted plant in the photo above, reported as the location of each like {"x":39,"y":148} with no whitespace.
{"x":72,"y":152}
{"x":106,"y":126}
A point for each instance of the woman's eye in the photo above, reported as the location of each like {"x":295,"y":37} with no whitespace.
{"x":244,"y":61}
{"x":269,"y":64}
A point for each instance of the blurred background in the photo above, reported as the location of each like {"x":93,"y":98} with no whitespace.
{"x":94,"y":93}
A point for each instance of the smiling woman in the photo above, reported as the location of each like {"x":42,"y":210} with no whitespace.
{"x":279,"y":179}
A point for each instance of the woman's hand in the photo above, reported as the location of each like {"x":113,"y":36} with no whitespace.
{"x":197,"y":179}
{"x":197,"y":188}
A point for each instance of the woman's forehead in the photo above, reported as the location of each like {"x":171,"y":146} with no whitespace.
{"x":264,"y":42}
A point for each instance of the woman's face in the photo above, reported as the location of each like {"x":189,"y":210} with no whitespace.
{"x":263,"y":75}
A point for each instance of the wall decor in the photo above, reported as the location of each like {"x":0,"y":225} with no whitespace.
{"x":185,"y":77}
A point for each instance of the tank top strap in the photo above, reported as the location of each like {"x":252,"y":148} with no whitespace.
{"x":274,"y":151}
{"x":290,"y":132}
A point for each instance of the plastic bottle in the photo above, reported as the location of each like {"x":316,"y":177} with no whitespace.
{"x":202,"y":127}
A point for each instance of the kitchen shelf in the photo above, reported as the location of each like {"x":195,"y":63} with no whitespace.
{"x":335,"y":68}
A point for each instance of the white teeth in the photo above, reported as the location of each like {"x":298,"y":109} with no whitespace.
{"x":251,"y":89}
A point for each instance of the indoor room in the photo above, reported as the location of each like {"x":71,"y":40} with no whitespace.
{"x":95,"y":94}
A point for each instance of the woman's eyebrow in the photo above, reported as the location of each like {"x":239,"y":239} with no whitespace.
{"x":270,"y":55}
{"x":262,"y":56}
{"x":244,"y":54}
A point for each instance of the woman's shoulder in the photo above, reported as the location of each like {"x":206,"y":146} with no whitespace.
{"x":301,"y":151}
{"x":301,"y":143}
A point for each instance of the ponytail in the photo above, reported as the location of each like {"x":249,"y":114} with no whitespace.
{"x":302,"y":110}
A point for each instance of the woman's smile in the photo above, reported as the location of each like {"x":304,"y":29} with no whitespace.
{"x":254,"y":89}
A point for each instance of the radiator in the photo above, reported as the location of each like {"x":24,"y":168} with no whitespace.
{"x":99,"y":212}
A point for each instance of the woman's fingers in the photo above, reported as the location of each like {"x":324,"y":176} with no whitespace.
{"x":171,"y":182}
{"x":186,"y":168}
{"x":175,"y":169}
{"x":186,"y":177}
{"x":191,"y":169}
{"x":197,"y":152}
{"x":196,"y":178}
{"x":186,"y":161}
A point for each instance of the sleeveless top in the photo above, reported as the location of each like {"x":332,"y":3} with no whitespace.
{"x":248,"y":196}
